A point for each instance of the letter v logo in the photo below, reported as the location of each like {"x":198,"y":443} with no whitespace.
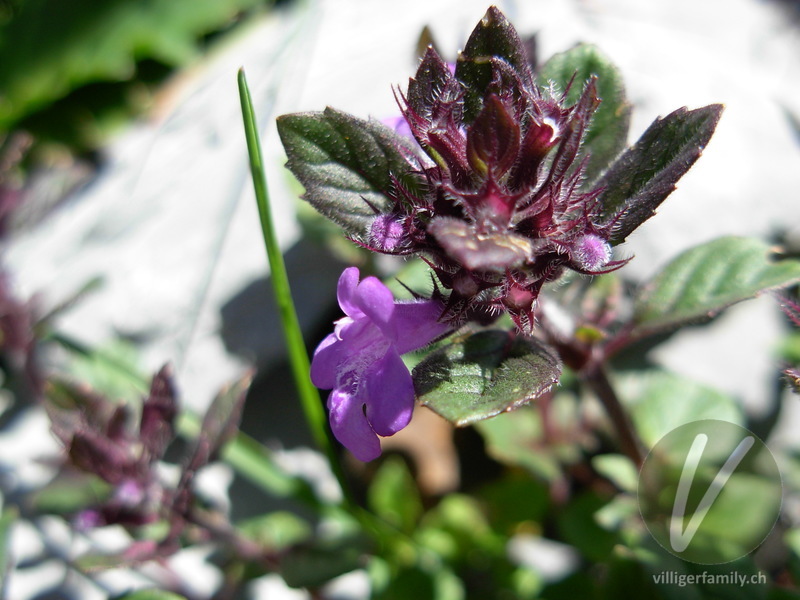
{"x":680,"y":538}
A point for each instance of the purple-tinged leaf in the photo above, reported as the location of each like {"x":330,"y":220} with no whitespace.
{"x":158,"y":414}
{"x":94,"y":453}
{"x":494,"y":36}
{"x":706,"y":279}
{"x":346,"y":164}
{"x":221,"y":422}
{"x":486,"y":374}
{"x":73,"y":407}
{"x":608,"y":131}
{"x":493,"y":139}
{"x":639,"y":180}
{"x":573,"y":134}
{"x":432,"y":78}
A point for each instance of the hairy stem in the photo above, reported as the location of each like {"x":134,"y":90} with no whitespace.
{"x":596,"y":378}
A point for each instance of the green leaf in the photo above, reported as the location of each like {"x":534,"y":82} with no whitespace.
{"x":661,"y":401}
{"x":579,"y":527}
{"x":493,"y":37}
{"x":314,"y":565}
{"x":639,"y":180}
{"x":608,"y":131}
{"x":484,"y":375}
{"x":344,"y":163}
{"x":70,"y":492}
{"x":393,"y":495}
{"x":221,"y":422}
{"x":704,"y":280}
{"x":51,"y":47}
{"x":276,"y":531}
{"x":7,"y":519}
{"x":517,"y":439}
{"x":618,"y":469}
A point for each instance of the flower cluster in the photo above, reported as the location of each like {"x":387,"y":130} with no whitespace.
{"x":501,"y":211}
{"x":501,"y":184}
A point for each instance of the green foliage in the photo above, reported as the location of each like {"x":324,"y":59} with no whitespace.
{"x":485,"y":374}
{"x":49,"y":49}
{"x":608,"y":131}
{"x":316,"y":563}
{"x":8,"y":517}
{"x":660,"y":401}
{"x":578,"y":526}
{"x":519,"y":438}
{"x":344,"y":163}
{"x":702,"y":281}
{"x":618,"y":469}
{"x":646,"y":173}
{"x":276,"y":531}
{"x":70,"y":492}
{"x":393,"y":495}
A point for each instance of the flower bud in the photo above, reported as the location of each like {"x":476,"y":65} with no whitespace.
{"x":386,"y":233}
{"x":590,"y":252}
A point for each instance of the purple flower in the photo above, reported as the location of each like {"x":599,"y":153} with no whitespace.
{"x":360,"y":361}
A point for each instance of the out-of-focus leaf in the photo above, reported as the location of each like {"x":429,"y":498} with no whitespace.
{"x":661,"y":401}
{"x":151,"y":594}
{"x":314,"y":565}
{"x":393,"y":495}
{"x":461,"y":521}
{"x":639,"y":180}
{"x":505,"y":510}
{"x":277,"y":530}
{"x":7,"y":520}
{"x":618,"y":469}
{"x":221,"y":422}
{"x":608,"y":131}
{"x":69,"y":493}
{"x":579,"y":527}
{"x":344,"y":163}
{"x":158,"y":413}
{"x":50,"y":47}
{"x":409,"y":582}
{"x":493,"y":37}
{"x":488,"y":373}
{"x":111,"y":370}
{"x":704,"y":280}
{"x":517,"y":439}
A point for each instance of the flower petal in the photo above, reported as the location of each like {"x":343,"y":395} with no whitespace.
{"x":346,"y":292}
{"x":325,"y":362}
{"x":388,"y":391}
{"x":377,"y":302}
{"x":350,"y":426}
{"x":418,"y":324}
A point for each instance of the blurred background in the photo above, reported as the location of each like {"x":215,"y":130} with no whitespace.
{"x":130,"y":236}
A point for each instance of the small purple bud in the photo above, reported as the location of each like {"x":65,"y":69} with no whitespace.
{"x":129,"y":493}
{"x":590,"y":252}
{"x":88,"y":519}
{"x":386,"y":233}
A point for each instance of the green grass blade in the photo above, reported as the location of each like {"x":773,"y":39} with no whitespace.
{"x":298,"y":356}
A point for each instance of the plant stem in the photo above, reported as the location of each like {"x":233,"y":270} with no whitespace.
{"x":596,"y":378}
{"x":298,"y":355}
